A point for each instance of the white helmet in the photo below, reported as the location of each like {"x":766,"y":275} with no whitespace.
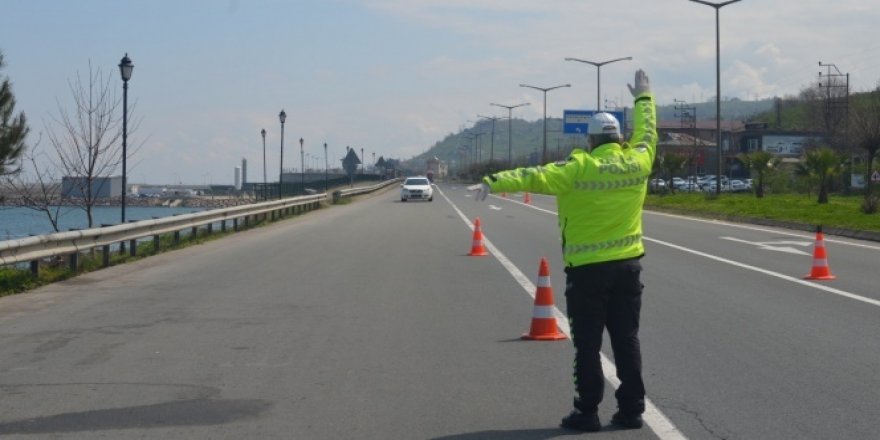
{"x":603,"y":123}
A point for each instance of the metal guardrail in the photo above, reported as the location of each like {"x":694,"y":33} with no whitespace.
{"x":362,"y":190}
{"x":72,"y":243}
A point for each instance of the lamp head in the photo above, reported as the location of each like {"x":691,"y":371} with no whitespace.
{"x":125,"y":68}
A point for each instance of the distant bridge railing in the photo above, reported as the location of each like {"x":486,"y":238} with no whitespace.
{"x":73,"y":243}
{"x":362,"y":190}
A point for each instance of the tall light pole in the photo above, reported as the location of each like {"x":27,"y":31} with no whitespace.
{"x":492,"y":142}
{"x":263,"y":133}
{"x":325,"y":167}
{"x":125,"y":69}
{"x":717,"y":7}
{"x":363,"y":161}
{"x":509,"y":129}
{"x":545,"y":90}
{"x":302,"y":174}
{"x":281,"y":117}
{"x":599,"y":74}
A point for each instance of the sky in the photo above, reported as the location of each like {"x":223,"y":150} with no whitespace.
{"x":393,"y":77}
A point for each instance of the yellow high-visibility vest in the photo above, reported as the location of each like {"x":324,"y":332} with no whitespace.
{"x":599,"y":195}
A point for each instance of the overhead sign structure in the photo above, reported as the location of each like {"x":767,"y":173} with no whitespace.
{"x":577,"y":121}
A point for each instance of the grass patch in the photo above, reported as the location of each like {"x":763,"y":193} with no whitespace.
{"x":840,"y":211}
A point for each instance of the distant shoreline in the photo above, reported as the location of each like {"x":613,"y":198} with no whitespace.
{"x":206,"y":202}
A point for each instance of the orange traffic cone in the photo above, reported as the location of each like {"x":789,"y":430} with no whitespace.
{"x":477,"y":249}
{"x":543,"y":320}
{"x":504,"y":195}
{"x":527,"y":198}
{"x":820,"y":270}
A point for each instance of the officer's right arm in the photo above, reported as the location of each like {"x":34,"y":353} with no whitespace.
{"x":554,"y":178}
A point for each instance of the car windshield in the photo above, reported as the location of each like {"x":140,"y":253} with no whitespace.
{"x":416,"y":182}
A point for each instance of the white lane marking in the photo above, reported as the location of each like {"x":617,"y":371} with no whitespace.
{"x":495,"y":208}
{"x":758,"y":269}
{"x":842,"y":293}
{"x":762,"y":229}
{"x":771,"y":245}
{"x":656,"y":420}
{"x":524,"y":204}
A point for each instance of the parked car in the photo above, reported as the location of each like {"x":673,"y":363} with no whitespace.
{"x":738,"y":186}
{"x":658,"y":185}
{"x":416,"y":188}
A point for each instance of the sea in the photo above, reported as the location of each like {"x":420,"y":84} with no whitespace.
{"x":17,"y":222}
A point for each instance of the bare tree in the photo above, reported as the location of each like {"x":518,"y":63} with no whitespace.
{"x":826,"y":108}
{"x":37,"y":188}
{"x":87,"y":140}
{"x":865,"y":129}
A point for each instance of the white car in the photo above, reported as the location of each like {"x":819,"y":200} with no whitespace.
{"x":416,"y":188}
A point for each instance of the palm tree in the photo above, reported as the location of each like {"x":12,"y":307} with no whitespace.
{"x":760,"y":163}
{"x":821,"y":164}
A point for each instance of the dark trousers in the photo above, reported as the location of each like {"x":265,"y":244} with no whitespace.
{"x":598,"y":296}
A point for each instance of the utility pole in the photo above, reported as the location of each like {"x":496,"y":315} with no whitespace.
{"x":688,"y":115}
{"x":836,"y":87}
{"x":492,"y":142}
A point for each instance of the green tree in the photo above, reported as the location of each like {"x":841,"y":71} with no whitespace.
{"x":13,"y":129}
{"x":820,"y":164}
{"x":760,"y":163}
{"x":671,"y":164}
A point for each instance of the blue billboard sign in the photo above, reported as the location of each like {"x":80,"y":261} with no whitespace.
{"x":577,"y":121}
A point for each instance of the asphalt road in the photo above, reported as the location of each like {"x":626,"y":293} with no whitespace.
{"x":369,"y":321}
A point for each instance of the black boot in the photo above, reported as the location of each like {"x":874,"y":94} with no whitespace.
{"x":627,"y":421}
{"x":581,"y":422}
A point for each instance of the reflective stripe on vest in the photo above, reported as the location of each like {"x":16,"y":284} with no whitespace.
{"x":623,"y":242}
{"x":593,"y":185}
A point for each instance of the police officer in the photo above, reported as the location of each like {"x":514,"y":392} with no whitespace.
{"x":599,"y":196}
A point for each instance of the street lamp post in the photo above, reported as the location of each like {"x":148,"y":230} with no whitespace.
{"x":302,"y":173}
{"x":263,"y":133}
{"x":492,"y":141}
{"x":281,"y":117}
{"x":599,"y":74}
{"x":363,"y":161}
{"x":325,"y":167}
{"x":545,"y":90}
{"x":509,"y":129}
{"x":717,"y":7}
{"x":125,"y":69}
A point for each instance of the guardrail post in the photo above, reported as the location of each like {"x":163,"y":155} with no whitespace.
{"x":210,"y":228}
{"x":156,"y":242}
{"x":74,"y":261}
{"x":133,"y":244}
{"x":235,"y":224}
{"x":222,"y":225}
{"x":195,"y":232}
{"x":176,"y":238}
{"x":35,"y":268}
{"x":105,"y":257}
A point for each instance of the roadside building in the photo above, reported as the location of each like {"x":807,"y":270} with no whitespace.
{"x":97,"y":187}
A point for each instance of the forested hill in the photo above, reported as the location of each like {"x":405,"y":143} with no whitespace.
{"x":528,"y":135}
